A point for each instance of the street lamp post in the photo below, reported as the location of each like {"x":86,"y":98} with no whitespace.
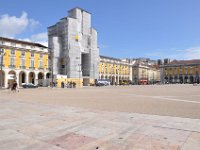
{"x":1,"y":75}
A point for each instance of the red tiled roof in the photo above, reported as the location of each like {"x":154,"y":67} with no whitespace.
{"x":193,"y":61}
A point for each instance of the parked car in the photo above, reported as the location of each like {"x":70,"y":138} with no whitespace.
{"x":102,"y":82}
{"x":29,"y":85}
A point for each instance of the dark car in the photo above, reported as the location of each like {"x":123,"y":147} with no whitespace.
{"x":29,"y":85}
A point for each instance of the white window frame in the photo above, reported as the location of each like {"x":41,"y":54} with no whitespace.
{"x":32,"y":63}
{"x":12,"y":52}
{"x":12,"y":61}
{"x":32,"y":54}
{"x":41,"y":64}
{"x":23,"y":62}
{"x":23,"y":54}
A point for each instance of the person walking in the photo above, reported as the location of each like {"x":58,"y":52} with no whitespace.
{"x":62,"y":84}
{"x":14,"y":87}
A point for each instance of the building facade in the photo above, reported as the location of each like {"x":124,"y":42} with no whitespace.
{"x":182,"y":71}
{"x":22,"y":61}
{"x":116,"y":70}
{"x":73,"y":47}
{"x":145,"y":71}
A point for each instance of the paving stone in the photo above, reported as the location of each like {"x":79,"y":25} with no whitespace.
{"x":71,"y":141}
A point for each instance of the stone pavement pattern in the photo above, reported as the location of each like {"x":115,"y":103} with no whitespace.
{"x":28,"y":125}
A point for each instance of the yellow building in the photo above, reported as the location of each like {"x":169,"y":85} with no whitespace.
{"x":143,"y":73}
{"x":182,"y":71}
{"x":116,"y":70}
{"x":22,"y":61}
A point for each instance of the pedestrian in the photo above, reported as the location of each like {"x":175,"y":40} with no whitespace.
{"x":62,"y":84}
{"x":14,"y":87}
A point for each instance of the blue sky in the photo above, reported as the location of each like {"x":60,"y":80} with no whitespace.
{"x":126,"y":28}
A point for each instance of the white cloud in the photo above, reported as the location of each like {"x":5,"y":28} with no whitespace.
{"x":190,"y":53}
{"x":41,"y":38}
{"x":33,"y":23}
{"x":10,"y":26}
{"x":103,"y":46}
{"x":185,"y":54}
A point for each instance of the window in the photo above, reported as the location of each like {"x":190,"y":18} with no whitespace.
{"x":32,"y":63}
{"x":22,"y":62}
{"x":41,"y":64}
{"x":32,"y":54}
{"x":12,"y":52}
{"x":41,"y":55}
{"x":13,"y":44}
{"x":22,"y":53}
{"x":1,"y":50}
{"x":23,"y":45}
{"x":12,"y":61}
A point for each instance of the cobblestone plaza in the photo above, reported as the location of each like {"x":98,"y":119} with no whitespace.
{"x":117,"y":117}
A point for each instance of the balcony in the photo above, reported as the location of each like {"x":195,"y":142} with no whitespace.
{"x":22,"y":67}
{"x":41,"y":68}
{"x":31,"y":67}
{"x":12,"y":66}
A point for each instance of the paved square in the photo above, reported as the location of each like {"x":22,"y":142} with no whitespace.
{"x":119,"y":118}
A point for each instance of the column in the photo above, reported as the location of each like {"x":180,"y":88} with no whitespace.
{"x":36,"y":78}
{"x":118,"y":79}
{"x":6,"y":80}
{"x":45,"y":75}
{"x":17,"y":79}
{"x":27,"y":77}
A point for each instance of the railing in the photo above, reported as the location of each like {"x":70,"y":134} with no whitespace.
{"x":41,"y":68}
{"x":11,"y":66}
{"x":23,"y":67}
{"x":31,"y":67}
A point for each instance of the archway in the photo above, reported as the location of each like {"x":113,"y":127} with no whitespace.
{"x":110,"y":78}
{"x":181,"y":79}
{"x":11,"y":77}
{"x":32,"y":77}
{"x":2,"y":78}
{"x":166,"y":79}
{"x":186,"y":79}
{"x":40,"y":78}
{"x":22,"y":78}
{"x":170,"y":79}
{"x":120,"y":80}
{"x":175,"y":79}
{"x":191,"y":79}
{"x":113,"y":80}
{"x":48,"y":75}
{"x":197,"y":78}
{"x":40,"y":75}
